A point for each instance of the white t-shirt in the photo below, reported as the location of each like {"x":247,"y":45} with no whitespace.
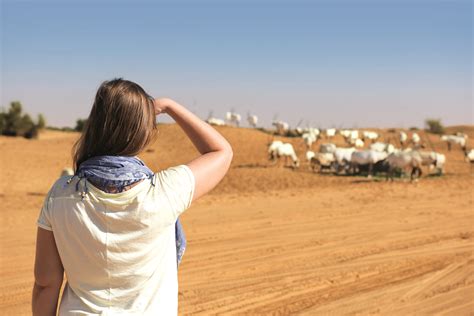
{"x":118,"y":249}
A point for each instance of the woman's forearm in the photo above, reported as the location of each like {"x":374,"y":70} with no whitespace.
{"x":204,"y":137}
{"x":45,"y":300}
{"x":216,"y":153}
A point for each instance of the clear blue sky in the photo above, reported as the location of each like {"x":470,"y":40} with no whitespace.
{"x":331,"y":63}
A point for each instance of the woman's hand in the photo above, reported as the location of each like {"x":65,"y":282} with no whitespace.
{"x":161,"y":105}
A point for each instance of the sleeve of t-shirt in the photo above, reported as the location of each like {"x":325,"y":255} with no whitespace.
{"x":44,"y":216}
{"x":177,"y":184}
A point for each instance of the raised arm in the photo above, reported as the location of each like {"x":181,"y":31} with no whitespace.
{"x":216,"y":153}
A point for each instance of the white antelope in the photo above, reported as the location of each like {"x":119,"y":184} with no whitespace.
{"x":330,"y":133}
{"x":343,"y":157}
{"x":433,"y":160}
{"x":366,"y":157}
{"x":368,"y":135}
{"x":215,"y":121}
{"x":281,"y":127}
{"x":278,"y":149}
{"x":311,"y":158}
{"x":327,"y":148}
{"x":252,"y":120}
{"x":233,"y":118}
{"x":310,"y":155}
{"x":469,"y":155}
{"x":357,"y":142}
{"x":309,"y":138}
{"x":352,"y":137}
{"x":380,"y":147}
{"x":324,"y":160}
{"x":415,"y":138}
{"x":403,"y":138}
{"x":312,"y":130}
{"x":438,"y":163}
{"x":405,"y":160}
{"x":454,"y":139}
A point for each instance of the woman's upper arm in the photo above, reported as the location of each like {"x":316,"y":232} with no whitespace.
{"x":48,"y":269}
{"x":176,"y":185}
{"x":209,"y":169}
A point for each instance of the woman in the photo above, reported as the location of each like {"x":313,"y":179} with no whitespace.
{"x":111,"y":227}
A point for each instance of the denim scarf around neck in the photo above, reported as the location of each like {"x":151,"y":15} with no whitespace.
{"x":119,"y":172}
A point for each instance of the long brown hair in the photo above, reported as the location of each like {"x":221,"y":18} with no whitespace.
{"x":121,"y":122}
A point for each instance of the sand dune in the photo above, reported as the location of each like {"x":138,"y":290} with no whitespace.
{"x":269,"y":240}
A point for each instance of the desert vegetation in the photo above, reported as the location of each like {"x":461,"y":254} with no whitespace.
{"x":13,"y":122}
{"x":434,"y":126}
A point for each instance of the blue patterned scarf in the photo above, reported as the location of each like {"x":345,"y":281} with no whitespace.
{"x":119,"y":172}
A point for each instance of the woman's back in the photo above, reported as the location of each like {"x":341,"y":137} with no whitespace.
{"x":118,"y":249}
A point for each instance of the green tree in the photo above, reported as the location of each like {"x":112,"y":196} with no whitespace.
{"x":32,"y":132}
{"x":41,"y":121}
{"x":434,"y":126}
{"x":25,"y":125}
{"x":15,"y":123}
{"x":2,"y":122}
{"x":13,"y":119}
{"x":80,"y":123}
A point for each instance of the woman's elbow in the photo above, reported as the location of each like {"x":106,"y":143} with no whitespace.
{"x":229,"y":154}
{"x":43,"y":280}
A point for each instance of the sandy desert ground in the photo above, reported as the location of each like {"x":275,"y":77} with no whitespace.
{"x":269,"y":240}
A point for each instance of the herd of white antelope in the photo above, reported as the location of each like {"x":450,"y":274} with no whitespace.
{"x":364,"y":152}
{"x":354,"y":158}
